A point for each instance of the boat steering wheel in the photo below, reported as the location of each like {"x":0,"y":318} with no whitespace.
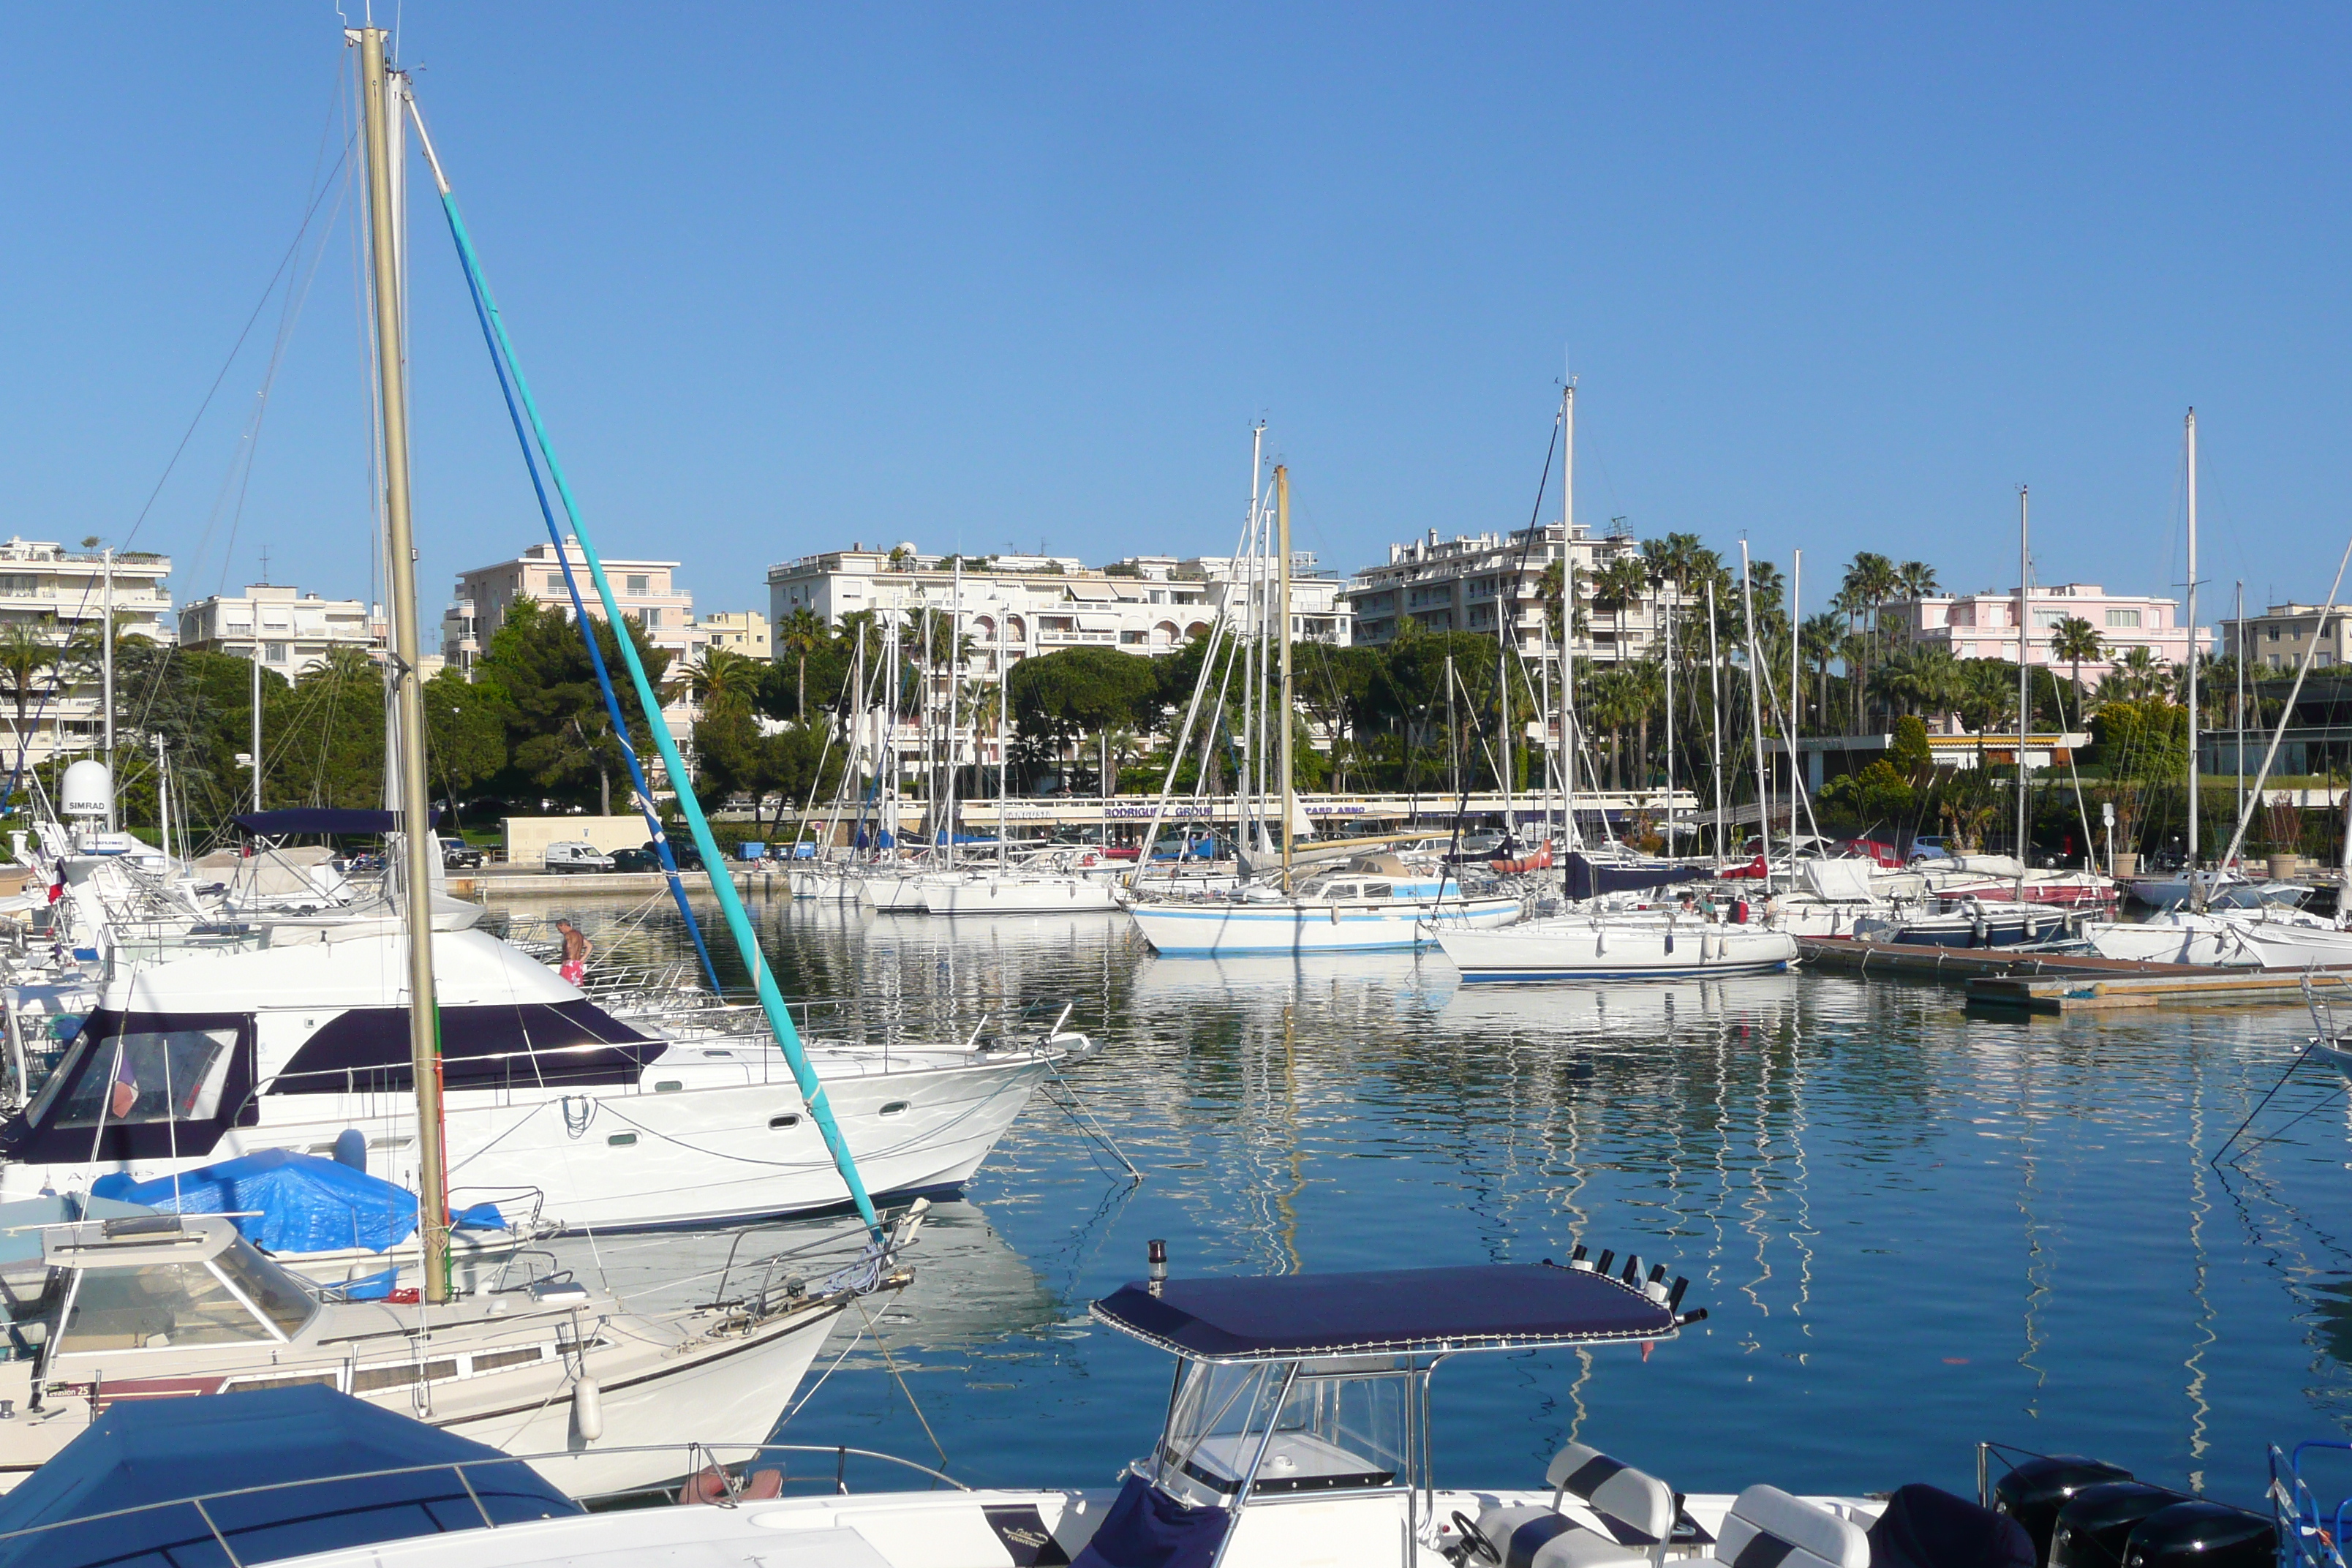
{"x":1475,"y":1543}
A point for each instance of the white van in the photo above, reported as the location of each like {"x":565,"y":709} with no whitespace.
{"x":576,"y":855}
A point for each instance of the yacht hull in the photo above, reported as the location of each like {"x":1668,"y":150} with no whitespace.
{"x":729,"y":1144}
{"x":1019,"y":895}
{"x":1219,"y":928}
{"x":1599,"y":949}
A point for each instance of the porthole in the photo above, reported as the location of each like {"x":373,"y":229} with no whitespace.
{"x":779,"y":1123}
{"x":668,"y":1086}
{"x":622,"y":1139}
{"x":896,"y":1107}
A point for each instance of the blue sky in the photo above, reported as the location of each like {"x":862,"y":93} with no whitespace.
{"x":784,"y":278}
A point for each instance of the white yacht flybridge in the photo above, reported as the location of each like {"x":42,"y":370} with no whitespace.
{"x":605,"y":1123}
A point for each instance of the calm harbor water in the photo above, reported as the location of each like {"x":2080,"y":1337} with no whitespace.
{"x":1914,"y":1226}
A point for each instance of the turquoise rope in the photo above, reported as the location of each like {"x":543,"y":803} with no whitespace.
{"x":738,"y":923}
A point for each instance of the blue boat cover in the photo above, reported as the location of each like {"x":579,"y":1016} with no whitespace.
{"x":322,"y":819}
{"x":1497,"y":1306}
{"x":289,"y":1203}
{"x":163,"y":1451}
{"x":1145,"y":1528}
{"x":1587,"y":880}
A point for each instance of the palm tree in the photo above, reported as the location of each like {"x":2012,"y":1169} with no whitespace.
{"x":1618,"y":588}
{"x":25,"y":656}
{"x":2076,"y":640}
{"x":1821,"y":639}
{"x":1870,"y":580}
{"x":801,"y":633}
{"x":1916,"y":580}
{"x":721,"y":675}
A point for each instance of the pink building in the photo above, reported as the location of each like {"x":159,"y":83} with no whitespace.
{"x":1984,"y":625}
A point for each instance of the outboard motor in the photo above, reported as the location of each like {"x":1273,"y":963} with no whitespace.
{"x":2098,"y":1520}
{"x":2033,"y":1493}
{"x":2202,"y":1535}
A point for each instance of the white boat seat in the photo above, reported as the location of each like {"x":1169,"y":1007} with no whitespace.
{"x":1766,"y":1525}
{"x":1620,"y":1516}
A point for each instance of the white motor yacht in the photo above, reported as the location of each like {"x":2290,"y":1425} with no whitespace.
{"x":1600,"y":944}
{"x":551,"y":1100}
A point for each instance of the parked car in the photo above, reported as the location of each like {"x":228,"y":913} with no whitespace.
{"x":1931,"y":847}
{"x":636,"y":860}
{"x":576,"y":855}
{"x":457,"y":855}
{"x":681,"y":850}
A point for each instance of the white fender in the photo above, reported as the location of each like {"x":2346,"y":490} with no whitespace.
{"x":587,"y":1410}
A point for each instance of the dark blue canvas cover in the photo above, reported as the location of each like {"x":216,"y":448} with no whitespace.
{"x":1924,"y":1527}
{"x":1397,"y":1311}
{"x":157,"y":1451}
{"x":1587,"y":880}
{"x":1145,"y":1528}
{"x":290,"y":1203}
{"x":322,"y":819}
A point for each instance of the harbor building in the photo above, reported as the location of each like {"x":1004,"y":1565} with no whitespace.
{"x":1017,"y":607}
{"x":1984,"y":625}
{"x":2275,"y":640}
{"x":738,"y":631}
{"x":1456,"y":585}
{"x":647,"y":591}
{"x":62,"y":596}
{"x":293,"y":631}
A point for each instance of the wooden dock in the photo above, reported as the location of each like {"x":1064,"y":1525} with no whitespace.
{"x":2061,"y":982}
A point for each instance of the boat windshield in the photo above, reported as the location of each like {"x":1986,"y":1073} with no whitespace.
{"x":165,"y":1306}
{"x":145,"y":1074}
{"x":1333,"y":1425}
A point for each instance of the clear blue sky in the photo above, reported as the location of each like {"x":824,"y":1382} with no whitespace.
{"x":785,"y":277}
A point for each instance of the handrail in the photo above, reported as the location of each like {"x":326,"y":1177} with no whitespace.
{"x":457,"y":1467}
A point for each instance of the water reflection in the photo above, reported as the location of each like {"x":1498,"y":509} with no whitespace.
{"x":1913,"y":1228}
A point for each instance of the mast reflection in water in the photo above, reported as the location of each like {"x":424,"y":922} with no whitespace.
{"x":1914,"y":1226}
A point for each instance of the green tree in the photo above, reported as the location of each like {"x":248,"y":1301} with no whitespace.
{"x":2076,"y":641}
{"x":799,"y":635}
{"x":561,"y":739}
{"x":27,"y":657}
{"x":1079,"y":691}
{"x":465,"y":733}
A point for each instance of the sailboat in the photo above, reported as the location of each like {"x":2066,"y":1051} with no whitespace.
{"x":1367,"y":903}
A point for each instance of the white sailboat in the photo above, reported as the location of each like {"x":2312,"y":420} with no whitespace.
{"x":1370,"y":903}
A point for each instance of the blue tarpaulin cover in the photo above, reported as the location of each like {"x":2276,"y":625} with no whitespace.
{"x":160,"y":1450}
{"x":290,"y":1203}
{"x":1492,"y":1306}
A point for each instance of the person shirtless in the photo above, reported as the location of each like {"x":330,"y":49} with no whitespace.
{"x":574,"y":967}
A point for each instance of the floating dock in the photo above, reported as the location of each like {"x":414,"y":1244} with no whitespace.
{"x":2062,"y":983}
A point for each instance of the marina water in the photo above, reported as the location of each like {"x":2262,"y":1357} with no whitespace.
{"x":1914,"y":1226}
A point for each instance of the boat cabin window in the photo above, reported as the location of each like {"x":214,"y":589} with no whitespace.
{"x":274,"y":1293}
{"x":1379,"y":891}
{"x":1324,"y":1426}
{"x":151,"y":1076}
{"x":160,"y":1306}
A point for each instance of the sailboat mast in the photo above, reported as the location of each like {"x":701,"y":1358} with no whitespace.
{"x":2238,"y":709}
{"x":392,"y":409}
{"x":1568,"y":619}
{"x":2191,"y":426}
{"x":1755,"y":719}
{"x":257,"y":714}
{"x":2024,"y":676}
{"x":1282,"y":617}
{"x":1714,"y":712}
{"x":1796,"y":684}
{"x":106,"y":635}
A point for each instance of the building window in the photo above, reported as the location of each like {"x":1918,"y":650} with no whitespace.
{"x":274,"y":652}
{"x":555,"y":582}
{"x":2123,"y":618}
{"x":638,"y":585}
{"x":652,"y":619}
{"x":19,"y":585}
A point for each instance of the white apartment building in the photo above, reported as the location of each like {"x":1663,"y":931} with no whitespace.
{"x":295,"y":631}
{"x":1032,"y":605}
{"x":1984,"y":625}
{"x":1454,"y":585}
{"x":61,"y":593}
{"x":2275,"y":640}
{"x":647,"y":592}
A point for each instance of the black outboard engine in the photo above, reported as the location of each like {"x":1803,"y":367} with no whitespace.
{"x":2096,"y":1522}
{"x":2033,"y":1493}
{"x":2203,"y":1535}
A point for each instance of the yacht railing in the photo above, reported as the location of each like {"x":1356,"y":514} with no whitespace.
{"x":2307,"y":1537}
{"x":699,"y":1461}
